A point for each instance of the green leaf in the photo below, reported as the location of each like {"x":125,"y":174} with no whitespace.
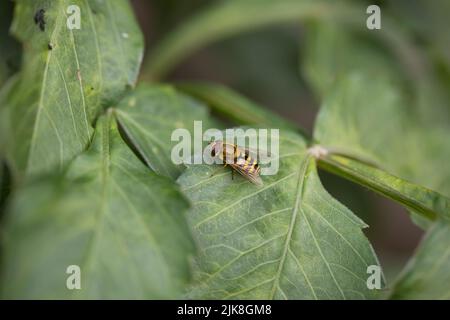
{"x":365,"y":117}
{"x":355,"y":108}
{"x":119,"y":222}
{"x":288,"y":239}
{"x":67,"y":77}
{"x":234,"y":106}
{"x":371,"y":112}
{"x":427,"y":274}
{"x":366,"y":113}
{"x":331,"y":50}
{"x":150,"y":114}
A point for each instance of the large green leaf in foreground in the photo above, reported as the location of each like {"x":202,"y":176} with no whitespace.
{"x":117,"y":220}
{"x":67,"y":76}
{"x":288,"y":239}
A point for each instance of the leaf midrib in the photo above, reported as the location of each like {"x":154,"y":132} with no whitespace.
{"x":300,"y":184}
{"x":105,"y":154}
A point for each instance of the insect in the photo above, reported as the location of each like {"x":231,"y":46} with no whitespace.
{"x":242,"y":160}
{"x":39,"y":18}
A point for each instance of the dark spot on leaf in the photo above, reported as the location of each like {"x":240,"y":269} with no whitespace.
{"x":39,"y":19}
{"x":50,"y":46}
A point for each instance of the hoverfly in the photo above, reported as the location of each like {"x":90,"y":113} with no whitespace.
{"x":243,"y":160}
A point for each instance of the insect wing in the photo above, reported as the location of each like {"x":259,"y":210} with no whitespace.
{"x":253,"y":176}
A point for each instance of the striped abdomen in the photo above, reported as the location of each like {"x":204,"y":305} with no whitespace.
{"x":246,"y":162}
